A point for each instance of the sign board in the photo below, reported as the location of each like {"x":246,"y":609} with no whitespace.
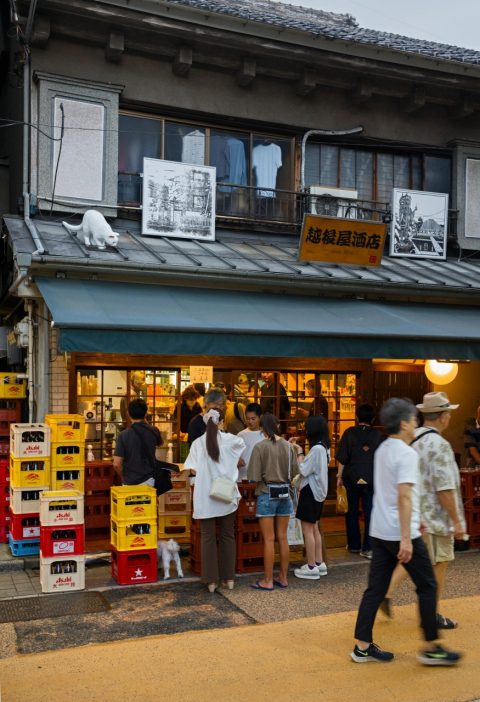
{"x":201,"y":374}
{"x":344,"y":241}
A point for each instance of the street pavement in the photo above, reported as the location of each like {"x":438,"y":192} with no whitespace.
{"x":178,"y":642}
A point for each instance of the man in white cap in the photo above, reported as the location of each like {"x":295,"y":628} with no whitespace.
{"x":441,"y":506}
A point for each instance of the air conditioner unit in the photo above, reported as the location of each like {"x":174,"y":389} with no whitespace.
{"x":333,"y":202}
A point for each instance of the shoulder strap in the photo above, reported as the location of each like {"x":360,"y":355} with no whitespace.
{"x":138,"y":432}
{"x":420,"y":436}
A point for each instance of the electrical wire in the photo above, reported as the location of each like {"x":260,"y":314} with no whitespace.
{"x":58,"y":157}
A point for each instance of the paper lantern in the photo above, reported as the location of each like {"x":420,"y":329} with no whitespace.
{"x":441,"y":373}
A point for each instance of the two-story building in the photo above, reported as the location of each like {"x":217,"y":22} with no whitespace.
{"x":299,"y":111}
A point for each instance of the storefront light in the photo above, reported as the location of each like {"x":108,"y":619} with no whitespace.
{"x":441,"y":372}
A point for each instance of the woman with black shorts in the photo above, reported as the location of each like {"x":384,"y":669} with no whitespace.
{"x":313,"y":486}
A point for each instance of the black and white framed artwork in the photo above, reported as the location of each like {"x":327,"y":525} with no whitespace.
{"x":419,"y":224}
{"x":178,"y":200}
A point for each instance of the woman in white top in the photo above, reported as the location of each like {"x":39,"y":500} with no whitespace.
{"x":213,"y":455}
{"x":313,"y":486}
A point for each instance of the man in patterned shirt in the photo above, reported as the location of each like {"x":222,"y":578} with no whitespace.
{"x":441,"y":506}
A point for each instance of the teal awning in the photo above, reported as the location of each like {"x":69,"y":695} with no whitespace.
{"x":114,"y":317}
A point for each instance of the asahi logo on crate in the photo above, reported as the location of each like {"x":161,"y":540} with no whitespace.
{"x":138,"y":541}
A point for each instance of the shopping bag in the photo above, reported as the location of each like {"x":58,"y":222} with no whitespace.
{"x":342,"y":501}
{"x":294,"y":532}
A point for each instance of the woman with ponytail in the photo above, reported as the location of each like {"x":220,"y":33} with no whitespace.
{"x":213,"y":455}
{"x":272,"y":466}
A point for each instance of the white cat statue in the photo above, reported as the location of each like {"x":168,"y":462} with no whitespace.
{"x":94,"y":230}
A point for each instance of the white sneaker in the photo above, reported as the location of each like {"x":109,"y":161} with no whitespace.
{"x":322,"y":569}
{"x":307,"y":573}
{"x":367,"y":554}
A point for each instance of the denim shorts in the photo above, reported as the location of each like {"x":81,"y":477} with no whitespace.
{"x":273,"y":508}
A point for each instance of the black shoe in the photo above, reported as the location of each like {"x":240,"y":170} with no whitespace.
{"x":439,"y":656}
{"x":372,"y":653}
{"x":386,"y":607}
{"x":445,"y":622}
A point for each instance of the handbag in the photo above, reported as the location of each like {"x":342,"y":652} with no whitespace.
{"x":223,"y":489}
{"x":342,"y":501}
{"x":161,"y":470}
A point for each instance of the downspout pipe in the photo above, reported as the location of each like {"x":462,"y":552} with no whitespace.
{"x":322,"y":132}
{"x":30,"y":368}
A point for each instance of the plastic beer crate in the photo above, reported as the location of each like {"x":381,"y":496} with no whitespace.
{"x":24,"y":526}
{"x":99,"y":475}
{"x":10,"y":411}
{"x":127,"y":535}
{"x":172,"y":525}
{"x":65,"y":574}
{"x":136,"y":502}
{"x":30,"y":472}
{"x":62,"y":541}
{"x":179,"y":501}
{"x":66,"y":428}
{"x":24,"y":548}
{"x":134,"y":568}
{"x":12,"y":387}
{"x":4,"y":471}
{"x":61,"y":508}
{"x":73,"y":479}
{"x":97,"y":511}
{"x":25,"y":500}
{"x":68,"y":455}
{"x":29,"y":440}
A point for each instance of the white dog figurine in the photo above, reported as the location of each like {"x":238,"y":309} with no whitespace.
{"x":169,"y":551}
{"x":94,"y":230}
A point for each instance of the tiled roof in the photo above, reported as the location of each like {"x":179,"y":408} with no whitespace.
{"x":235,"y":257}
{"x":329,"y":25}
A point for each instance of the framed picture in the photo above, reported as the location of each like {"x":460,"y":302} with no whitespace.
{"x":419,"y":224}
{"x":178,"y":200}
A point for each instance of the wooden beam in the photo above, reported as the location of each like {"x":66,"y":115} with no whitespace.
{"x":247,"y":73}
{"x":362,"y":92}
{"x":307,"y":83}
{"x":41,"y":31}
{"x":115,"y":47}
{"x":183,"y":60}
{"x":415,"y":100}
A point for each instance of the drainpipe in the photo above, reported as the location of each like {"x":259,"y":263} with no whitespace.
{"x":30,"y":368}
{"x":322,"y":132}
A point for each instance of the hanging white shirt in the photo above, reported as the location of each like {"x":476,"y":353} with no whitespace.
{"x":193,"y":148}
{"x":266,"y":160}
{"x":231,"y":447}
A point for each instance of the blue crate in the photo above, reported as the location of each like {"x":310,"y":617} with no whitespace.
{"x":28,"y":547}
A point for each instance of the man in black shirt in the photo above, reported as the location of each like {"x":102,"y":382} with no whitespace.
{"x":130,"y":461}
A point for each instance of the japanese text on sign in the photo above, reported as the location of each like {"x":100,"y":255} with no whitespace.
{"x":201,"y":374}
{"x":341,"y":241}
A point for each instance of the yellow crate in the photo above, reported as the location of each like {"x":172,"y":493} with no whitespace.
{"x":136,"y":502}
{"x":126,"y":535}
{"x":61,"y":507}
{"x":68,"y":455}
{"x":175,"y":501}
{"x":12,"y":387}
{"x":30,"y":472}
{"x":172,"y":525}
{"x":29,"y":440}
{"x":66,"y":428}
{"x":71,"y":479}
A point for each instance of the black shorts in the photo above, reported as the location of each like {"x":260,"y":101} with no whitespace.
{"x":308,"y":509}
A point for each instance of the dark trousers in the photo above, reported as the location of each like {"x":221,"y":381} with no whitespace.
{"x":357,"y":494}
{"x":218,"y":564}
{"x":382,"y":566}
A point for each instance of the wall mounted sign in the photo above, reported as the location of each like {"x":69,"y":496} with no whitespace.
{"x":201,"y":374}
{"x":344,"y":241}
{"x":178,"y":200}
{"x":419,"y":224}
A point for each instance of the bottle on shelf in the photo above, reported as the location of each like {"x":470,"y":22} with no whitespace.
{"x":169,"y":456}
{"x":90,"y":454}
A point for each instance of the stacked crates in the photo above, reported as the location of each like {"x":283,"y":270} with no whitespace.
{"x":29,"y":477}
{"x":99,"y":478}
{"x":133,"y":511}
{"x":470,"y":484}
{"x":12,"y":391}
{"x":67,"y":451}
{"x":175,"y":510}
{"x":62,"y":541}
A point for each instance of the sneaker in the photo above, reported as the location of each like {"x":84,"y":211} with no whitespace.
{"x":439,"y":656}
{"x":366,"y":554}
{"x":307,"y":573}
{"x":386,"y":607}
{"x":372,"y":653}
{"x":352,"y":550}
{"x":322,"y":568}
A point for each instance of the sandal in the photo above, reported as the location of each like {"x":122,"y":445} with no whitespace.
{"x":445,"y":622}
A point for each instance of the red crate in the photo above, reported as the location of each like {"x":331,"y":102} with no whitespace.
{"x":4,"y":447}
{"x":470,"y":483}
{"x":10,"y":411}
{"x":4,"y":494}
{"x":134,"y":568}
{"x":4,"y":531}
{"x":249,"y":565}
{"x":475,"y":541}
{"x":25,"y":526}
{"x":99,"y":475}
{"x":249,"y":542}
{"x":62,"y":541}
{"x":4,"y":471}
{"x":97,"y":511}
{"x":472,"y":517}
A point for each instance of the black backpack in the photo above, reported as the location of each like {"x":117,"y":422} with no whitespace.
{"x":363,"y":442}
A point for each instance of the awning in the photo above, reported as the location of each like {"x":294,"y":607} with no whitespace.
{"x":114,"y":317}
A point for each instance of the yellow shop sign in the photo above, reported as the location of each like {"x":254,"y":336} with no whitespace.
{"x":334,"y":240}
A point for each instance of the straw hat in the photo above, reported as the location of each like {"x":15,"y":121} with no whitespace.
{"x":436,"y":402}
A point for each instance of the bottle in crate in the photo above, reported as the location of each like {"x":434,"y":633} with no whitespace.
{"x":61,"y":508}
{"x":128,"y":535}
{"x":30,"y":472}
{"x":30,"y":440}
{"x":62,"y":574}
